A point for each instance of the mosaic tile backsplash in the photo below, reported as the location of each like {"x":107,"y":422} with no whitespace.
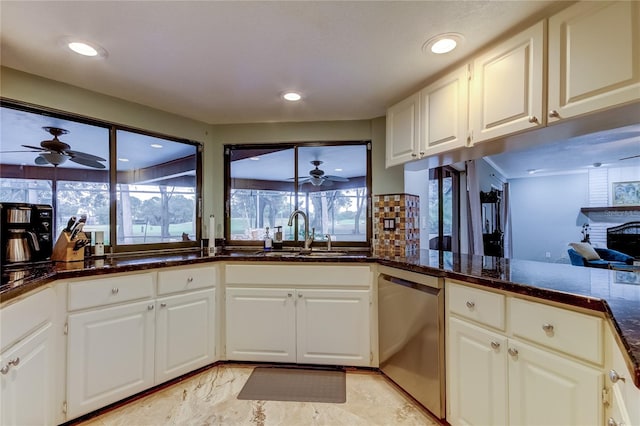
{"x":396,"y":225}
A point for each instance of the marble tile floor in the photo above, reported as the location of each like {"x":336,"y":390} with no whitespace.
{"x":209,"y":398}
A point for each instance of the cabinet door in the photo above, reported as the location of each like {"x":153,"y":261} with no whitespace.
{"x":403,"y":134}
{"x":185,"y":333}
{"x":476,"y":375}
{"x":444,"y":120}
{"x":260,"y":325}
{"x":27,"y":394}
{"x":546,"y":389}
{"x":110,"y":355}
{"x":333,"y":327}
{"x":507,"y":86}
{"x":594,"y":57}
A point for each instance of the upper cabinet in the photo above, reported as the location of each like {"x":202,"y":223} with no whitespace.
{"x":507,"y":86}
{"x":431,"y":121}
{"x":594,"y":57}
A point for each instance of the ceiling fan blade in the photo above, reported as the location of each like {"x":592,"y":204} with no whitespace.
{"x":35,"y":147}
{"x":629,"y":158}
{"x":7,"y":152}
{"x":41,"y":161}
{"x":84,"y":155}
{"x":87,"y":162}
{"x":336,"y":178}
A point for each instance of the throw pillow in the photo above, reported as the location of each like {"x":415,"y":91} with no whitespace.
{"x":585,"y":250}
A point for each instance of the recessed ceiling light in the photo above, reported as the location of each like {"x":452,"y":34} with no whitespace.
{"x":337,"y":170}
{"x":531,"y":171}
{"x":254,"y":158}
{"x":292,"y":96}
{"x":442,"y":43}
{"x":84,"y":48}
{"x":156,"y":145}
{"x":124,"y":160}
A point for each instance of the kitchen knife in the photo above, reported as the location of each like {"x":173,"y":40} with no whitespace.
{"x":76,"y":230}
{"x":70,"y":223}
{"x":79,"y":244}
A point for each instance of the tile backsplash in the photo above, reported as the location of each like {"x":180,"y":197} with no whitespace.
{"x":396,"y":226}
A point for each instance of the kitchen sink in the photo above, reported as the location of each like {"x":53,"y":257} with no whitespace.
{"x":298,"y":253}
{"x":320,"y":253}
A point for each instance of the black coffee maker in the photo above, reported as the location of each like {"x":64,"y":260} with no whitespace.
{"x":27,"y":232}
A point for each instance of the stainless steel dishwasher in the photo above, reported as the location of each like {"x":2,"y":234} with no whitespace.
{"x":411,"y":335}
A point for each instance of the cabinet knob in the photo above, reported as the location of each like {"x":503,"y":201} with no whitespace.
{"x":163,"y":305}
{"x":421,"y":153}
{"x":533,"y":119}
{"x":300,"y":295}
{"x":14,"y":361}
{"x":612,"y":422}
{"x":190,"y":279}
{"x":513,"y":352}
{"x":289,"y":295}
{"x":4,"y":370}
{"x":615,"y":377}
{"x":495,"y":345}
{"x":150,"y":307}
{"x":553,"y":113}
{"x":470,"y":305}
{"x":115,"y":290}
{"x":414,"y":155}
{"x":548,"y":328}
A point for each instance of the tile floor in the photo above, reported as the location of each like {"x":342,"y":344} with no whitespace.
{"x":209,"y":398}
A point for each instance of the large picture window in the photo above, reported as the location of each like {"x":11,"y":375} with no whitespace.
{"x":150,"y":200}
{"x":329,"y":182}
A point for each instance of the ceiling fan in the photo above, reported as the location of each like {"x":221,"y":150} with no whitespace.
{"x":56,"y":152}
{"x":317,"y":177}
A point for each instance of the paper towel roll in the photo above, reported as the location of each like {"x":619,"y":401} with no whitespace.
{"x":212,"y":235}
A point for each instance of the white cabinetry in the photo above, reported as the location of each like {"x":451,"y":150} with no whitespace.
{"x":429,"y":122}
{"x":403,"y":135}
{"x":594,"y":57}
{"x":623,"y":396}
{"x":110,"y":349}
{"x":507,"y":86}
{"x":497,"y":378}
{"x":298,"y":313}
{"x":27,"y":361}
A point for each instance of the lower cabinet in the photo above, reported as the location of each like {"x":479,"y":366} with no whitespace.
{"x":110,"y":355}
{"x":318,"y":326}
{"x":494,"y":378}
{"x":185,"y":333}
{"x":27,"y":376}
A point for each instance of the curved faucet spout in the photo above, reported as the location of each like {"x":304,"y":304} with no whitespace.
{"x":308,"y":239}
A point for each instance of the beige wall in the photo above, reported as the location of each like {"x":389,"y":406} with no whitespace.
{"x":29,"y":88}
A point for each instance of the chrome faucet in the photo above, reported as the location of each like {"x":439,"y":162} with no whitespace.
{"x":328,"y":237}
{"x":308,"y":239}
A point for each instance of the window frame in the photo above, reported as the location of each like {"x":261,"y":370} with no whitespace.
{"x":42,"y":174}
{"x":289,"y":244}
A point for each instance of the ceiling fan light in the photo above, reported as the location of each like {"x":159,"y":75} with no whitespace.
{"x":315,"y":181}
{"x":54,"y":158}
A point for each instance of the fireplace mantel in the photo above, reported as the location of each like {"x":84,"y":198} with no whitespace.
{"x":612,"y":214}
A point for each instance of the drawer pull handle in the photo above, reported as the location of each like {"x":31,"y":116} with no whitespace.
{"x":115,"y":290}
{"x":190,"y":279}
{"x":548,"y":328}
{"x":163,"y":305}
{"x":495,"y":345}
{"x":513,"y":352}
{"x":615,"y":377}
{"x":471,"y":305}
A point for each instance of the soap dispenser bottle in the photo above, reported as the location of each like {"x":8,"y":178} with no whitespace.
{"x":277,"y":241}
{"x":268,"y":242}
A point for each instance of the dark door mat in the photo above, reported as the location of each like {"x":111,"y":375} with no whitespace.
{"x":295,"y":384}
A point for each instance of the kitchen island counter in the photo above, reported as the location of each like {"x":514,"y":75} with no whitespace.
{"x":615,"y":294}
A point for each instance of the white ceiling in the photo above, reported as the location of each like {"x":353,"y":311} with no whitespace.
{"x":229,"y":61}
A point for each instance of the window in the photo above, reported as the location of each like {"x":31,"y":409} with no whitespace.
{"x":444,"y":215}
{"x":329,"y":182}
{"x":150,"y":199}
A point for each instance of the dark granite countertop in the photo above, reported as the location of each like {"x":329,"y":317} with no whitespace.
{"x":614,"y":293}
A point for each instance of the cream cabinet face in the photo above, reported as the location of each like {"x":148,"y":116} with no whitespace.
{"x":594,"y":57}
{"x":27,"y":375}
{"x":314,"y":326}
{"x":403,"y":137}
{"x":110,"y":355}
{"x":185,"y":333}
{"x":507,"y":86}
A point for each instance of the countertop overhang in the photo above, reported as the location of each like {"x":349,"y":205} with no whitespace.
{"x":615,"y":294}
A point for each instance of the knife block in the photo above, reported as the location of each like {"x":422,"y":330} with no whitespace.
{"x":63,"y":250}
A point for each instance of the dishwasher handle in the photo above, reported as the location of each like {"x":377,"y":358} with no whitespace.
{"x":409,"y":284}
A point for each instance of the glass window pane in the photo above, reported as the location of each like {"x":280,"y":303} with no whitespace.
{"x":84,"y":198}
{"x":156,"y":194}
{"x":32,"y":191}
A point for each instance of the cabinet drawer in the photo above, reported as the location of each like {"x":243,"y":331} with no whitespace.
{"x":296,"y":275}
{"x":570,"y":332}
{"x":107,"y":291}
{"x":176,"y":280}
{"x":484,"y":307}
{"x":22,"y":317}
